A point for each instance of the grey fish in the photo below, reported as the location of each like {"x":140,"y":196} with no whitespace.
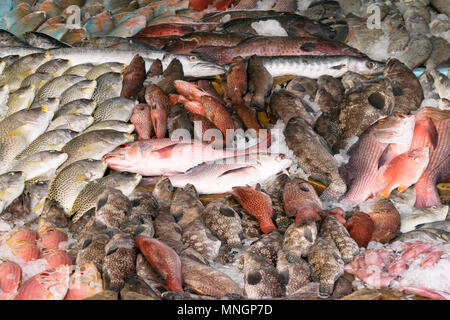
{"x":88,"y":197}
{"x":10,"y":40}
{"x":163,"y":193}
{"x":55,"y":67}
{"x":335,"y":230}
{"x":186,"y":205}
{"x":23,"y":67}
{"x":314,"y":157}
{"x":440,"y":225}
{"x":198,"y":237}
{"x":405,"y":86}
{"x":287,"y":105}
{"x":50,"y":140}
{"x":115,"y":108}
{"x":442,"y":84}
{"x":261,"y":279}
{"x":9,"y":60}
{"x":174,"y":71}
{"x":297,"y":241}
{"x":266,"y":247}
{"x":316,"y":66}
{"x":109,"y":85}
{"x":4,"y":96}
{"x":42,"y":164}
{"x":103,"y":68}
{"x":56,"y":86}
{"x":20,"y":99}
{"x":294,"y":275}
{"x":92,"y":249}
{"x":42,"y":40}
{"x":94,"y":145}
{"x":36,"y":194}
{"x":37,"y":79}
{"x":69,"y":182}
{"x":74,"y":122}
{"x":120,"y":260}
{"x":80,"y":69}
{"x":50,"y":104}
{"x":80,"y":90}
{"x":116,"y":125}
{"x":326,"y":265}
{"x":206,"y":280}
{"x":425,"y":234}
{"x":422,"y":216}
{"x":18,"y":130}
{"x":78,"y":106}
{"x":12,"y":184}
{"x":168,"y":231}
{"x":224,"y":222}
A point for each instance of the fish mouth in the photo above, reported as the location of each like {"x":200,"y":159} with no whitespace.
{"x":209,"y":66}
{"x":113,"y":156}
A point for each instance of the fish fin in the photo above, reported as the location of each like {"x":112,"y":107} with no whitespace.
{"x":385,"y":192}
{"x":166,"y":151}
{"x":112,"y":250}
{"x":227,"y":212}
{"x":433,"y":134}
{"x":338,"y":67}
{"x":235,"y":171}
{"x":308,"y":47}
{"x":86,"y":243}
{"x":402,"y":188}
{"x":16,"y":132}
{"x":80,"y":178}
{"x":384,"y":156}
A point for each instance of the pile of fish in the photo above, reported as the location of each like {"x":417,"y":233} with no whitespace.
{"x":223,"y":149}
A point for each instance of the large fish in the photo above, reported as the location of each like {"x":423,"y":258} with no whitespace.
{"x":276,"y":46}
{"x":438,"y":168}
{"x":220,"y":177}
{"x":368,"y":154}
{"x":314,"y":157}
{"x":425,"y":217}
{"x":164,"y":155}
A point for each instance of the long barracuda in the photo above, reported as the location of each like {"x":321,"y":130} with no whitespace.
{"x":316,"y":66}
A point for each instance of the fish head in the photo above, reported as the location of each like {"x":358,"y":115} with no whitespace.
{"x":128,"y":181}
{"x":394,"y":129}
{"x":366,"y":66}
{"x":12,"y":180}
{"x":124,"y":157}
{"x":193,"y":66}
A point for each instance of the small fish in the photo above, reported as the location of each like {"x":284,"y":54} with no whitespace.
{"x":258,"y":204}
{"x":119,"y":261}
{"x":298,"y":239}
{"x":294,"y":275}
{"x":41,"y":164}
{"x":236,"y":80}
{"x":198,"y":237}
{"x":260,"y":83}
{"x":37,"y":79}
{"x":178,"y":118}
{"x":73,"y":122}
{"x":174,"y":71}
{"x":164,"y":259}
{"x":109,"y":85}
{"x":163,"y":192}
{"x":386,"y":219}
{"x":80,"y":90}
{"x":79,"y":106}
{"x":120,"y":126}
{"x":133,"y":77}
{"x":326,"y":264}
{"x":55,"y":87}
{"x":159,"y":107}
{"x":224,"y":222}
{"x":142,"y":121}
{"x":103,"y":68}
{"x":301,"y":200}
{"x":92,"y":250}
{"x":20,"y":99}
{"x":43,"y":41}
{"x":442,"y":84}
{"x":80,"y":69}
{"x":333,"y":229}
{"x":48,"y":285}
{"x":186,"y":205}
{"x":116,"y":108}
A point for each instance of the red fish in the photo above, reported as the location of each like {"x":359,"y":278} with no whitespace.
{"x":222,"y":5}
{"x":425,"y":134}
{"x":84,"y":282}
{"x":159,"y":105}
{"x":248,"y":116}
{"x":51,"y":238}
{"x":164,"y":30}
{"x":133,"y":77}
{"x":190,"y":90}
{"x":164,"y":259}
{"x":360,"y":227}
{"x":191,"y":106}
{"x":217,"y":114}
{"x":10,"y":278}
{"x":258,"y":204}
{"x":48,"y":285}
{"x":56,"y":258}
{"x":394,"y":175}
{"x":339,"y":213}
{"x":201,"y":125}
{"x":236,"y":80}
{"x":300,"y":199}
{"x":200,"y":5}
{"x":142,"y":121}
{"x":438,"y":168}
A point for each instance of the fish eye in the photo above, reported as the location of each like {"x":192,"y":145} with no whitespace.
{"x":193,"y":58}
{"x":370,"y":64}
{"x":122,"y":146}
{"x":381,"y":121}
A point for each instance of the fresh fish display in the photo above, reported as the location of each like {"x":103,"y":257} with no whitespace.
{"x":224,"y":149}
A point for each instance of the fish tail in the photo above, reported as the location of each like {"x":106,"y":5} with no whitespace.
{"x":426,"y":194}
{"x":175,"y":285}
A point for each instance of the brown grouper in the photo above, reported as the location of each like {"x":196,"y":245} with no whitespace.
{"x":277,"y":46}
